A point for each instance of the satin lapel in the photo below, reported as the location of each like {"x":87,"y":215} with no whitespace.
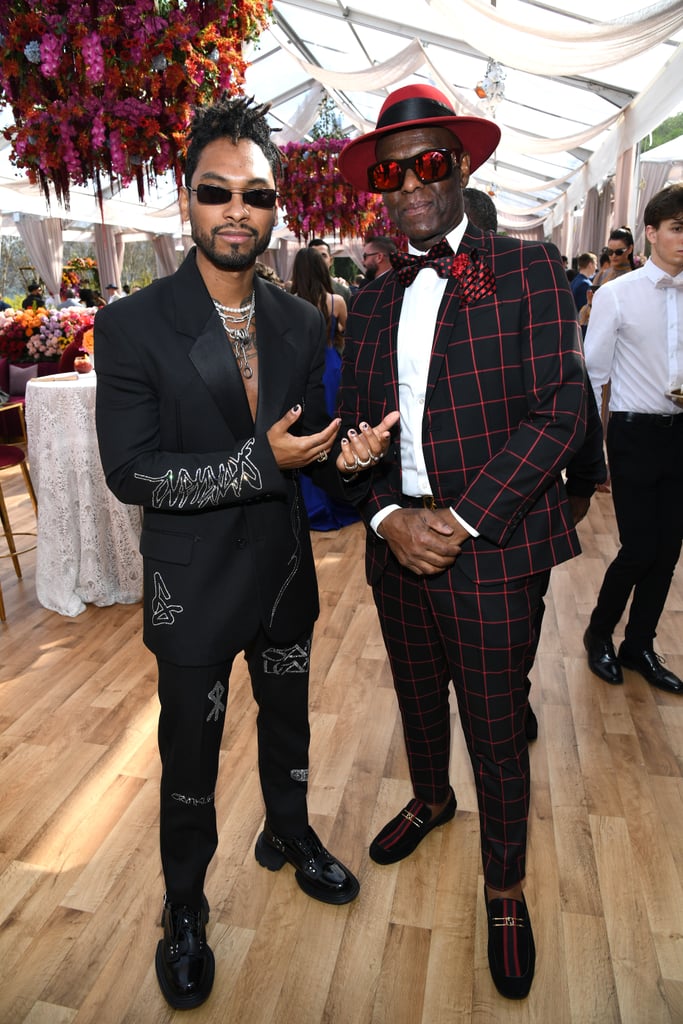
{"x":210,"y":354}
{"x":448,"y":311}
{"x":275,"y":341}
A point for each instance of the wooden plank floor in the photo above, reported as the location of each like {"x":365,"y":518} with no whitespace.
{"x":80,"y":882}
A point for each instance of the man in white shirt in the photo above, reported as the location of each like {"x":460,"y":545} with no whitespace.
{"x":473,"y":337}
{"x":635,"y":341}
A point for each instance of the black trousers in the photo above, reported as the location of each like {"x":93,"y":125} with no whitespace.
{"x":645,"y":457}
{"x":193,"y":708}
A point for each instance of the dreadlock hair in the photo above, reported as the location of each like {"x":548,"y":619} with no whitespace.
{"x":233,"y":117}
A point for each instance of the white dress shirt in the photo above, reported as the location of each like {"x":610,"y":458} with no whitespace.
{"x":635,"y":340}
{"x":416,"y":330}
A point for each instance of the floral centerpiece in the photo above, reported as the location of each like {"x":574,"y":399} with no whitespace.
{"x":317,"y":199}
{"x":40,"y":334}
{"x":106,"y":88}
{"x":79,"y":272}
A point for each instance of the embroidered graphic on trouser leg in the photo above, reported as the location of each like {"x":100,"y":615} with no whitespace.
{"x":282,"y":661}
{"x":193,"y":801}
{"x":215,"y":696}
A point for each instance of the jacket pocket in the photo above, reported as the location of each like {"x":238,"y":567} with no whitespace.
{"x":167,"y":546}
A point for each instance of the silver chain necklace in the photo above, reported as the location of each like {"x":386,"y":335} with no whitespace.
{"x":238,"y":336}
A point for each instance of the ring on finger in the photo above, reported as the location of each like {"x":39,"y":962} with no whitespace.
{"x":322,"y":457}
{"x":375,"y":458}
{"x":364,"y":462}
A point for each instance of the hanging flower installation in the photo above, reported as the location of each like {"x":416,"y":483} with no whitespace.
{"x":104,"y":89}
{"x":318,"y":201}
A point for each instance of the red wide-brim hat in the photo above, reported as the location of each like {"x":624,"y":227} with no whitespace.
{"x":417,"y":106}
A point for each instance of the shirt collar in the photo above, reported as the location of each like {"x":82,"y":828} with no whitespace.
{"x":453,"y":237}
{"x":655,"y":273}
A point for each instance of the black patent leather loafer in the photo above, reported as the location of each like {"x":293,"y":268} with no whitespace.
{"x":649,"y":664}
{"x":511,"y":949}
{"x":602,"y":658}
{"x":318,"y":873}
{"x":404,"y":833}
{"x":184,"y":962}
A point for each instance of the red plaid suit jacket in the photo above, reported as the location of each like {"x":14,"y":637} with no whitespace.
{"x":504,"y":410}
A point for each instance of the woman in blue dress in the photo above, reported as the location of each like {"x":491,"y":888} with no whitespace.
{"x":311,"y":281}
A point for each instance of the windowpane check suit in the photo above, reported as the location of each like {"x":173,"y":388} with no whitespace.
{"x":504,"y":411}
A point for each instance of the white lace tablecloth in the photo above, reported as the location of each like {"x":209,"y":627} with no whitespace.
{"x":87,"y":540}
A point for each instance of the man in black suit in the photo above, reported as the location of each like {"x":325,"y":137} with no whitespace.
{"x":209,"y":401}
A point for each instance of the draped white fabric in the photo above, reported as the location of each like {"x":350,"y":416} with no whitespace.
{"x":44,"y":245}
{"x":165,"y":255}
{"x":562,"y":50}
{"x":109,"y":247}
{"x":653,"y":178}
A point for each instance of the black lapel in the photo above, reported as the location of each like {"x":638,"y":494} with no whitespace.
{"x":275,"y":339}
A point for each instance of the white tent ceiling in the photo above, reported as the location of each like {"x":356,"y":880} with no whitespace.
{"x":568,"y":77}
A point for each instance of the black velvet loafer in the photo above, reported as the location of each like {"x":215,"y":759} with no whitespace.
{"x":649,"y":664}
{"x":184,"y":962}
{"x":404,"y":833}
{"x":318,"y":873}
{"x":512,"y":953}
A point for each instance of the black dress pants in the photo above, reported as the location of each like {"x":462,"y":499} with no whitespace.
{"x":193,"y":707}
{"x":645,"y":455}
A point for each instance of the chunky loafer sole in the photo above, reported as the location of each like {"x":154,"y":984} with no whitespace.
{"x":317,"y":872}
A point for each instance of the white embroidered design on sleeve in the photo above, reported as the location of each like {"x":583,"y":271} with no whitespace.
{"x":205,"y":487}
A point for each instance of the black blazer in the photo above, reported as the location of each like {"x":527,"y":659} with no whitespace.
{"x":225,"y":532}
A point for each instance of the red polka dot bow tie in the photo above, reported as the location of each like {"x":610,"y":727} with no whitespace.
{"x":475,"y":278}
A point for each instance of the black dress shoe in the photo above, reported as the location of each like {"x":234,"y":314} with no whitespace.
{"x":602,"y":658}
{"x":512,"y":953}
{"x":184,"y":962}
{"x":530,"y":725}
{"x":405,"y":832}
{"x":649,"y":664}
{"x":318,"y":873}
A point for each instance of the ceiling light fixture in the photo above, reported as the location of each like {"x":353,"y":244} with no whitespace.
{"x":491,"y":88}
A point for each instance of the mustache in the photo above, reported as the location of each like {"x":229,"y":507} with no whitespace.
{"x":240,"y":227}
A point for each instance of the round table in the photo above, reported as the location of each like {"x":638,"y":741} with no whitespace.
{"x":87,"y":540}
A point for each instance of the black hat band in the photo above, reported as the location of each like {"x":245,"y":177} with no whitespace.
{"x":418,"y":108}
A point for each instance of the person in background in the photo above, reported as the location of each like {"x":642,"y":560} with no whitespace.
{"x":209,"y":402}
{"x":34,"y":297}
{"x":480,"y":208}
{"x":620,"y":250}
{"x":322,"y":248}
{"x":112,"y":293}
{"x":466,"y":513}
{"x":70,"y":299}
{"x":311,"y":281}
{"x":377,"y":256}
{"x":587,"y":262}
{"x":635,"y":342}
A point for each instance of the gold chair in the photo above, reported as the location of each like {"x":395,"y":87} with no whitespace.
{"x":12,"y":455}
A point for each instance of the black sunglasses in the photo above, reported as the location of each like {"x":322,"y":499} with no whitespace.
{"x":216,"y":195}
{"x":429,"y":166}
{"x":617,"y":252}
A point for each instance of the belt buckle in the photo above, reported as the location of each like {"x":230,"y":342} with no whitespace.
{"x":428,"y":502}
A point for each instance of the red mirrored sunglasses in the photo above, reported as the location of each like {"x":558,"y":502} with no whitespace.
{"x":429,"y":166}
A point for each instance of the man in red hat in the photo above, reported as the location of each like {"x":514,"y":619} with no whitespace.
{"x":473,"y":338}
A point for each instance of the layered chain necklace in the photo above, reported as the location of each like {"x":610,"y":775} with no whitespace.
{"x":237,"y":322}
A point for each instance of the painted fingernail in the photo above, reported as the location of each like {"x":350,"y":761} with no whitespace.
{"x":344,"y":441}
{"x":352,"y":433}
{"x":364,"y":426}
{"x":295,"y":408}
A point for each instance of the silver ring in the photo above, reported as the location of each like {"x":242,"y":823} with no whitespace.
{"x":322,"y":457}
{"x":375,"y":458}
{"x":364,"y":462}
{"x":354,"y":465}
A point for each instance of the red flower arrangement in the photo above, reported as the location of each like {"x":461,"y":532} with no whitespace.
{"x":318,"y":201}
{"x":106,"y":88}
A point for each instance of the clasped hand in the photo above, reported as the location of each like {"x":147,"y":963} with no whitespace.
{"x":424,"y":541}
